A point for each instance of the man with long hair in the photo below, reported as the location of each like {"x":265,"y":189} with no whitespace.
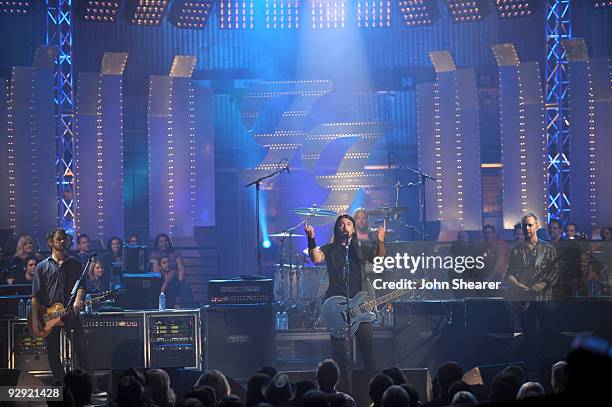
{"x":333,"y":254}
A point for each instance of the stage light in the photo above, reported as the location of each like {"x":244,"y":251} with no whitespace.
{"x":464,"y":11}
{"x":328,"y":13}
{"x":236,"y":14}
{"x":514,"y":8}
{"x":416,"y":12}
{"x":374,"y":13}
{"x":15,"y":6}
{"x":145,"y":12}
{"x":266,"y":244}
{"x":282,"y":14}
{"x":100,"y":11}
{"x":602,"y":4}
{"x":190,"y":14}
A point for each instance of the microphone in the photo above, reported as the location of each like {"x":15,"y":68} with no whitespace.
{"x":346,"y":238}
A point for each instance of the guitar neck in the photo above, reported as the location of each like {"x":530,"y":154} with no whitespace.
{"x":385,"y":298}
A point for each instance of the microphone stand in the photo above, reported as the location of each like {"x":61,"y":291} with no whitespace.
{"x":422,"y":203}
{"x":349,"y":336}
{"x":257,"y":184}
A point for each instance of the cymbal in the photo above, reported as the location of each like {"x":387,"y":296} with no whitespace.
{"x":285,"y":234}
{"x":313,"y":212}
{"x":387,"y":211}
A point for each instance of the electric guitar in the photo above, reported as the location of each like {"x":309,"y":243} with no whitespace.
{"x":334,"y":311}
{"x":52,"y":316}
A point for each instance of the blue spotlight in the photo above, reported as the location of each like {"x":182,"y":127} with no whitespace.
{"x":266,"y":244}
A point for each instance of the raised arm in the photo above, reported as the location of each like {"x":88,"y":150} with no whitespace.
{"x":316,"y":255}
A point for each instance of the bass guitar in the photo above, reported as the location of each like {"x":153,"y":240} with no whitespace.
{"x":52,"y":316}
{"x":334,"y":311}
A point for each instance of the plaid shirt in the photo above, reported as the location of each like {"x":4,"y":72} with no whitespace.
{"x":534,"y":266}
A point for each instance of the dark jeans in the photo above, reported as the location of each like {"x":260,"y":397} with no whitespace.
{"x":539,"y":328}
{"x":365,"y":339}
{"x":78,"y":341}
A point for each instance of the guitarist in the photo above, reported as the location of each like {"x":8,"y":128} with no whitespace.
{"x":530,"y":277}
{"x":53,"y":281}
{"x":333,"y":254}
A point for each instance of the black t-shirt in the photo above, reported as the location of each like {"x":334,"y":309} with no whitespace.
{"x":335,"y":254}
{"x":53,"y":283}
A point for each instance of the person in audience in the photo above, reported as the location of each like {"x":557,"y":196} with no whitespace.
{"x":279,"y":391}
{"x":494,"y":258}
{"x":456,"y":387}
{"x":205,"y":394}
{"x":159,"y":389}
{"x":328,"y":376}
{"x":83,"y":248}
{"x":337,"y":400}
{"x":555,"y":230}
{"x":571,"y":230}
{"x":315,"y":398}
{"x":606,"y":233}
{"x":517,"y":370}
{"x":113,"y":255}
{"x":464,"y":398}
{"x":254,"y":395}
{"x":448,"y":373}
{"x":163,"y":246}
{"x":395,"y":396}
{"x":26,"y":246}
{"x":189,"y":402}
{"x":79,"y":383}
{"x":530,"y":389}
{"x":230,"y":401}
{"x":170,"y":285}
{"x":301,"y":388}
{"x":130,"y":393}
{"x":25,"y":275}
{"x":377,"y":387}
{"x":217,"y":381}
{"x":413,"y":394}
{"x":98,"y":280}
{"x":134,"y":240}
{"x":396,"y":375}
{"x":519,"y":236}
{"x":558,"y":377}
{"x":505,"y":387}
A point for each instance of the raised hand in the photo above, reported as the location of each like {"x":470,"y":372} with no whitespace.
{"x":309,"y":230}
{"x":382,"y":231}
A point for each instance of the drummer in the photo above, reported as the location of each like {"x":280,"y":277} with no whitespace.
{"x":362,"y":225}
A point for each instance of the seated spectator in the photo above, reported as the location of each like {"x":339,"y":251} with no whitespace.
{"x":505,"y":387}
{"x":448,"y":373}
{"x":130,"y":393}
{"x":134,"y":240}
{"x":412,"y":394}
{"x":328,"y":376}
{"x":163,"y":246}
{"x":26,"y":246}
{"x":159,"y":389}
{"x":395,"y":396}
{"x":170,"y":285}
{"x":24,"y":275}
{"x":396,"y":375}
{"x":279,"y":391}
{"x":519,"y":235}
{"x":217,"y":381}
{"x":254,"y":395}
{"x":377,"y":387}
{"x":113,"y":255}
{"x":517,"y":370}
{"x":464,"y":398}
{"x":83,"y":248}
{"x":205,"y":394}
{"x":558,"y":377}
{"x":79,"y":383}
{"x":530,"y":389}
{"x":97,"y":278}
{"x":606,"y":233}
{"x":456,"y":387}
{"x":315,"y":398}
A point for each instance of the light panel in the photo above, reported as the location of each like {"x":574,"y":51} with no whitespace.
{"x":282,"y":14}
{"x":464,"y":11}
{"x":100,"y":11}
{"x":328,"y":13}
{"x":237,"y":14}
{"x":514,"y":8}
{"x":416,"y":12}
{"x":15,"y":6}
{"x":146,"y":12}
{"x":374,"y":13}
{"x":190,"y":14}
{"x":602,"y":4}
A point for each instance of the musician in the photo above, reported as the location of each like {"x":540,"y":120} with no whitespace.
{"x":532,"y":273}
{"x":333,"y":254}
{"x":53,"y":281}
{"x":362,"y":225}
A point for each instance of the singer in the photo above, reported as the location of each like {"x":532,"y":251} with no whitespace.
{"x":333,"y":254}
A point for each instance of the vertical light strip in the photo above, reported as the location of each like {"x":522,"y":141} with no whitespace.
{"x":34,"y":152}
{"x":75,"y":163}
{"x":11,"y":151}
{"x":170,"y":160}
{"x":122,"y":197}
{"x":592,"y":151}
{"x":522,"y":142}
{"x":149,"y":158}
{"x":437,"y":138}
{"x":459,"y":154}
{"x":99,"y":160}
{"x":192,"y":154}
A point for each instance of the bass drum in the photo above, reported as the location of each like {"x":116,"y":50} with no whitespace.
{"x":313,"y":283}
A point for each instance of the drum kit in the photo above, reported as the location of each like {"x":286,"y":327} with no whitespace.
{"x":299,"y":284}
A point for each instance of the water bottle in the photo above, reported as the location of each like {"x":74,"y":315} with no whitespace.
{"x":22,"y":309}
{"x":389,"y":322}
{"x":279,"y":324}
{"x":285,"y":320}
{"x":29,"y":307}
{"x":88,"y":307}
{"x":162,"y":301}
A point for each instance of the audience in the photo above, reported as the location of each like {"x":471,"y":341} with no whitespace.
{"x":25,"y":274}
{"x":315,"y":398}
{"x":377,"y":387}
{"x":395,"y":396}
{"x":79,"y":383}
{"x":464,"y":398}
{"x":328,"y":376}
{"x":253,"y":391}
{"x":415,"y":401}
{"x":97,"y":277}
{"x":530,"y":389}
{"x":558,"y":377}
{"x":217,"y":381}
{"x":396,"y":375}
{"x":517,"y":370}
{"x":456,"y":387}
{"x":279,"y":390}
{"x":205,"y":394}
{"x":113,"y":255}
{"x":159,"y":389}
{"x":83,"y":248}
{"x":26,"y":246}
{"x":505,"y":387}
{"x":448,"y":373}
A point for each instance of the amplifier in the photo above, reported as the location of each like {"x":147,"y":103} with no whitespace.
{"x":25,"y":352}
{"x":241,"y":291}
{"x":119,"y":335}
{"x":174,"y":339}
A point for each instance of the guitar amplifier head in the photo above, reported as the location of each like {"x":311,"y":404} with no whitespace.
{"x":240,"y":291}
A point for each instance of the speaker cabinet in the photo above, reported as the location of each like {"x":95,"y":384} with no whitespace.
{"x":240,"y":339}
